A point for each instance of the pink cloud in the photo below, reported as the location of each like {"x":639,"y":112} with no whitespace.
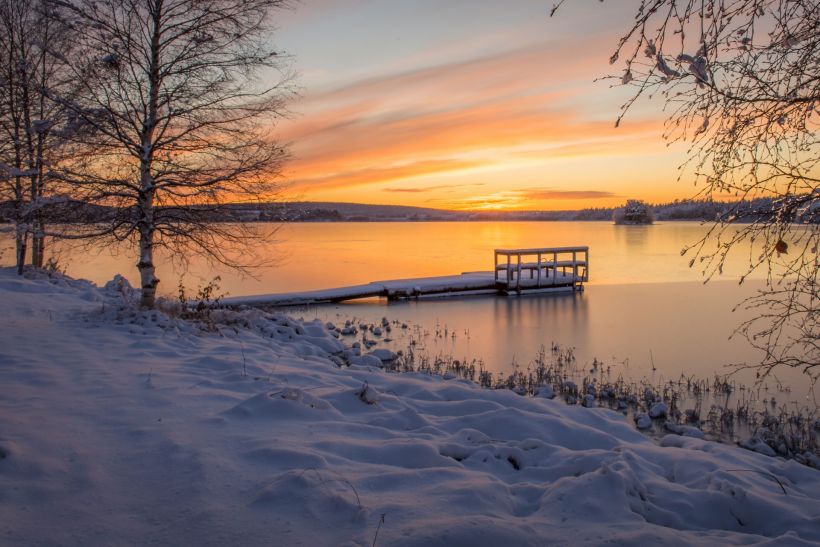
{"x":514,"y":104}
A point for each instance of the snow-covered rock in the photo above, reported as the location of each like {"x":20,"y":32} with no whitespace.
{"x":118,"y":284}
{"x":658,"y":410}
{"x":758,"y":445}
{"x":685,"y":430}
{"x":546,"y":392}
{"x":642,"y":420}
{"x":383,"y":354}
{"x":367,"y":360}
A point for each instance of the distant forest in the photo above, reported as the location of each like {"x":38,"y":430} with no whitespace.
{"x":72,"y":212}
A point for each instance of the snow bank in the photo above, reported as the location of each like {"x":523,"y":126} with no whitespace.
{"x":123,"y":428}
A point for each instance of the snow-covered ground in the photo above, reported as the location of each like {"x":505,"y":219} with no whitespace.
{"x":122,"y":428}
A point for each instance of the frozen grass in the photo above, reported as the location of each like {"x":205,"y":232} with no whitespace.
{"x":719,"y":408}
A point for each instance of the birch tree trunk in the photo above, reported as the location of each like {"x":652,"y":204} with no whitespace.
{"x":145,"y":203}
{"x":148,"y":279}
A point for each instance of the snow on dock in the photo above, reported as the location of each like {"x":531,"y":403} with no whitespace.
{"x":548,"y":266}
{"x":516,"y":271}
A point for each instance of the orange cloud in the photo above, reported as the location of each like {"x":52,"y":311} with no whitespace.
{"x":418,"y":190}
{"x":550,"y":193}
{"x":373,"y":175}
{"x":493,"y":113}
{"x":522,"y":198}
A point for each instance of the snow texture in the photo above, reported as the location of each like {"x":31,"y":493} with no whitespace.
{"x":120,"y":427}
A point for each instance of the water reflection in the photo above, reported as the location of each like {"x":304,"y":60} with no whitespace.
{"x":681,"y":328}
{"x":634,"y":237}
{"x":530,"y":319}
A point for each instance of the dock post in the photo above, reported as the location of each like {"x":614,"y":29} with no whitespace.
{"x":509,"y":272}
{"x":574,"y":267}
{"x":518,"y":275}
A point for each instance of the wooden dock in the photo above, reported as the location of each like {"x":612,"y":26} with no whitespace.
{"x":545,"y":267}
{"x":516,"y":271}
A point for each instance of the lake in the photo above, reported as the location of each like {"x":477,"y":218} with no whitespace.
{"x":643,"y":308}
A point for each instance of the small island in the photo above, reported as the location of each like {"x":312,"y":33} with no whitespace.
{"x":634,"y":212}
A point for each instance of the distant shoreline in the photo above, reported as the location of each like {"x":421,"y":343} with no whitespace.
{"x":74,"y":212}
{"x":467,"y":220}
{"x":6,"y":222}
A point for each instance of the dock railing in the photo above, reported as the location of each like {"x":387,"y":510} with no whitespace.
{"x":547,"y":267}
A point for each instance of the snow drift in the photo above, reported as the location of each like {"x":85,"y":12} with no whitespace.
{"x":120,"y":427}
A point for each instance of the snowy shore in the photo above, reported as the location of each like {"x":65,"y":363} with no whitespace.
{"x":133,"y":428}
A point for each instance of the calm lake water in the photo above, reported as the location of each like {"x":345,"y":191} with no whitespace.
{"x":643,"y":304}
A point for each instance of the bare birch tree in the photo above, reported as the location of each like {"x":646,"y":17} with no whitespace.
{"x":740,"y":80}
{"x":181,"y":97}
{"x":32,"y":140}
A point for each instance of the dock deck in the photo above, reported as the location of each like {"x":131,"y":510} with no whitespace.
{"x":516,"y":271}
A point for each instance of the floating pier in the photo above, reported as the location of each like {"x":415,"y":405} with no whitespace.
{"x":516,"y":271}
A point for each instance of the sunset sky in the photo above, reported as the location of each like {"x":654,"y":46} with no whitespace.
{"x":467,"y":104}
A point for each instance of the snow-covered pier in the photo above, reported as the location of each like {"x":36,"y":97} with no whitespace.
{"x":546,"y":267}
{"x":516,"y":271}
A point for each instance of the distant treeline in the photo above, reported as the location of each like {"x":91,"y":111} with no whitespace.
{"x":73,"y":212}
{"x":704,"y":210}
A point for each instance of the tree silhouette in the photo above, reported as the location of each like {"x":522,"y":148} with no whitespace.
{"x":740,"y":81}
{"x":180,"y":97}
